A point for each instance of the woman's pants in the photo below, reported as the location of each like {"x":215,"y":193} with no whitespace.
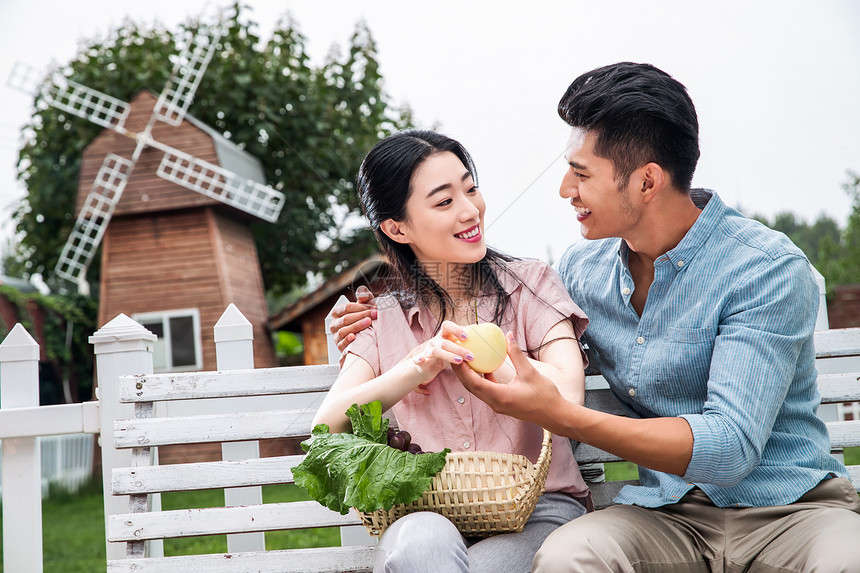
{"x":428,"y":542}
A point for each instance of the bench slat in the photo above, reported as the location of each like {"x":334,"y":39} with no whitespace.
{"x":203,"y":475}
{"x":221,"y":520}
{"x":837,"y":342}
{"x":137,"y":433}
{"x":836,"y":388}
{"x":320,"y":560}
{"x":586,"y":454}
{"x":844,"y":434}
{"x":854,"y":474}
{"x":604,"y":492}
{"x":226,"y":384}
{"x":605,"y":401}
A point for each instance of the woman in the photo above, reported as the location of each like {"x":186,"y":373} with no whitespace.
{"x":418,"y":190}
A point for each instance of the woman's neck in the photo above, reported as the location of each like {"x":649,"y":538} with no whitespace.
{"x":456,"y":282}
{"x":452,"y":277}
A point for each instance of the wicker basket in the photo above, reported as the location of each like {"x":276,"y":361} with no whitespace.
{"x":482,"y":493}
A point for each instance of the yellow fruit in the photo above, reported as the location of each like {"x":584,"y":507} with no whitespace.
{"x":486,"y":342}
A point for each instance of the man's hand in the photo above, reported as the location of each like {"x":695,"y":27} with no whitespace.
{"x":352,"y":317}
{"x":529,"y":396}
{"x":662,"y":444}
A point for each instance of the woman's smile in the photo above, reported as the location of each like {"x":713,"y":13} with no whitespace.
{"x":471,"y":235}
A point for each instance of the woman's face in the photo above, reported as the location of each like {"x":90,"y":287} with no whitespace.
{"x":444,"y":214}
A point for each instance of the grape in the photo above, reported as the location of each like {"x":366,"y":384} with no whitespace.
{"x":402,"y":440}
{"x":414,"y":448}
{"x":397,"y":441}
{"x":407,"y":438}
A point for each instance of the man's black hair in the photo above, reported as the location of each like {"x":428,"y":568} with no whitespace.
{"x":639,"y":114}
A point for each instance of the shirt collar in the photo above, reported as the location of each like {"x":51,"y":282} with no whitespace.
{"x":713,"y":210}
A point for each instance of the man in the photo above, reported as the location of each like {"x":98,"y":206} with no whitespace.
{"x":701,"y":320}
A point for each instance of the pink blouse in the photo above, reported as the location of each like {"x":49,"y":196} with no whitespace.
{"x":451,"y":417}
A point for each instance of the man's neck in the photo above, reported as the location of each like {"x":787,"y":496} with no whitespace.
{"x":662,"y":227}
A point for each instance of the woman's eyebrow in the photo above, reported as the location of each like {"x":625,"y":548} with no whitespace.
{"x":444,"y":186}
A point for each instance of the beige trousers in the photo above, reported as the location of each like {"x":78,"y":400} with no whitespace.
{"x":820,"y":532}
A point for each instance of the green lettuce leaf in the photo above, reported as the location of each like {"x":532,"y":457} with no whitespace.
{"x":360,"y":470}
{"x":367,"y":422}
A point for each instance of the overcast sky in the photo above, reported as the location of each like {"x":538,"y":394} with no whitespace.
{"x":776,"y":84}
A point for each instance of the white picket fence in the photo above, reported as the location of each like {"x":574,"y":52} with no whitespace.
{"x":67,"y":461}
{"x":122,"y":347}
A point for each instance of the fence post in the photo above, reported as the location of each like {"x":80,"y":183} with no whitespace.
{"x":234,"y":350}
{"x":21,"y":460}
{"x":122,"y":347}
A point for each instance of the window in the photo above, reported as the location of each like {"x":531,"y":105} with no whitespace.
{"x":178,"y":346}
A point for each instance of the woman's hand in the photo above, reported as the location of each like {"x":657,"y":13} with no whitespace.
{"x":433,"y":356}
{"x":353,"y":317}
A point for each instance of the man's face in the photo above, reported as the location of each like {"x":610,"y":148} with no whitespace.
{"x":602,"y":209}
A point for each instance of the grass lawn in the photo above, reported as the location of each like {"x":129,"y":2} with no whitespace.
{"x":73,"y":524}
{"x":73,"y":528}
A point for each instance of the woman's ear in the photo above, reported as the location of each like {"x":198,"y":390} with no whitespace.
{"x":394,"y":231}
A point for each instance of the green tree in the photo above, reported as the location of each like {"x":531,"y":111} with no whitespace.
{"x":309,"y":126}
{"x":840,"y":259}
{"x":834,"y":251}
{"x":811,"y":239}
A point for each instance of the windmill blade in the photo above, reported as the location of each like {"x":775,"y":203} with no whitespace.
{"x":90,"y":226}
{"x":70,"y":96}
{"x":220,"y":184}
{"x":25,"y":78}
{"x":77,"y":99}
{"x":191,"y":63}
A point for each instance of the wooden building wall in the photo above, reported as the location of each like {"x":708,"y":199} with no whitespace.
{"x":843,"y":311}
{"x":236,"y":255}
{"x":314,"y":334}
{"x":171,"y":261}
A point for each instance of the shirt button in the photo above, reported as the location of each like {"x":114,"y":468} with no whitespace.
{"x":632,"y":392}
{"x":680,"y":264}
{"x":640,"y":340}
{"x":460,"y":399}
{"x":466,"y":445}
{"x":625,"y":291}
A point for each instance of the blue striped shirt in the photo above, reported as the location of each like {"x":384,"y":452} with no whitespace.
{"x":725,"y":342}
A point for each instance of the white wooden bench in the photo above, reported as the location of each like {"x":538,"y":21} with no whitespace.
{"x":306,"y":385}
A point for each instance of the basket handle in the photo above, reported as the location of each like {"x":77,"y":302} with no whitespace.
{"x":545,"y":449}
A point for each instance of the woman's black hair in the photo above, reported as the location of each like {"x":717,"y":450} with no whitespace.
{"x":384,"y":186}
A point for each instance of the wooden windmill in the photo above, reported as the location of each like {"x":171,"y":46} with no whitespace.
{"x":171,"y":201}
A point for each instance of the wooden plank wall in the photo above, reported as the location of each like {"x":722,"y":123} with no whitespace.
{"x":175,"y":260}
{"x":146,"y":191}
{"x":239,"y":268}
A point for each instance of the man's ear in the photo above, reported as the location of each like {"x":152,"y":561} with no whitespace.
{"x":654,"y":179}
{"x":394,"y":231}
